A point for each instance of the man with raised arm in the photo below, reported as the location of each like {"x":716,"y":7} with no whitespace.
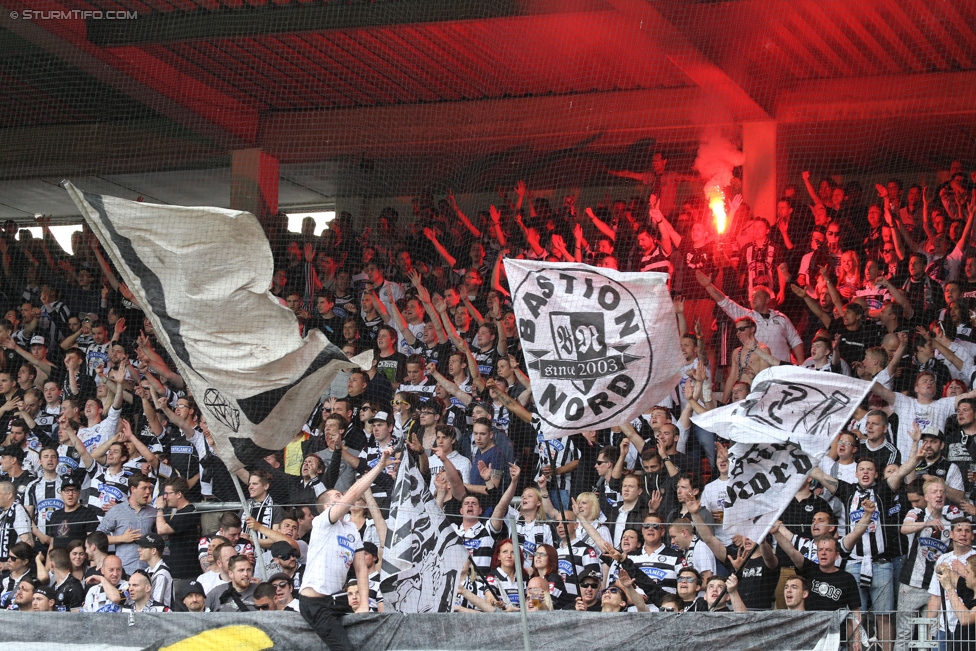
{"x":335,"y":546}
{"x":773,"y":328}
{"x":873,"y":556}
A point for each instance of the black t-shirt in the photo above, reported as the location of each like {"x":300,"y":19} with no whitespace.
{"x":757,"y":584}
{"x":394,"y":367}
{"x":330,"y":327}
{"x":182,"y":560}
{"x":69,"y":595}
{"x":854,"y":343}
{"x":830,"y":590}
{"x":76,"y":525}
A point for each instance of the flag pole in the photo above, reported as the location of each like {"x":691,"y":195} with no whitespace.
{"x":559,"y":507}
{"x":513,"y":523}
{"x":258,"y":552}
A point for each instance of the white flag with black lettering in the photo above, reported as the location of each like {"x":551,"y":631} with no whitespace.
{"x":423,"y":556}
{"x":780,"y":432}
{"x":602,"y":346}
{"x":202,"y":275}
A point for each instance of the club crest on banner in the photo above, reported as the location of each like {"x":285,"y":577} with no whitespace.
{"x":584,"y":358}
{"x":601,"y":346}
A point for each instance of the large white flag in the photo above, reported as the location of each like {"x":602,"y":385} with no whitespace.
{"x":423,"y":556}
{"x":780,"y":432}
{"x":602,"y":346}
{"x":202,"y":276}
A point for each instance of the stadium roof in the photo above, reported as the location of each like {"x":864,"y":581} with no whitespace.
{"x":458,"y":93}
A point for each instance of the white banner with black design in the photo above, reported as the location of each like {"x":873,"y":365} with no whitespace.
{"x":602,"y":346}
{"x":423,"y":556}
{"x":202,"y":275}
{"x":780,"y":432}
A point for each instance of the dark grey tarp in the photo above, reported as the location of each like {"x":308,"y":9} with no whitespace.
{"x":451,"y":632}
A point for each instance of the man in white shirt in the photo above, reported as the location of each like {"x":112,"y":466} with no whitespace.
{"x":773,"y":328}
{"x":961,"y":536}
{"x":445,"y":440}
{"x":334,"y":546}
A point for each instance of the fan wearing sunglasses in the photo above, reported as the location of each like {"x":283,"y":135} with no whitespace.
{"x":266,"y":597}
{"x":657,"y":560}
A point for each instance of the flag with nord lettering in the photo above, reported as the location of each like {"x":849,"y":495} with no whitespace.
{"x":601,"y":346}
{"x":780,"y":432}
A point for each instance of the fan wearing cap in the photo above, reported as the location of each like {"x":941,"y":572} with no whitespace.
{"x":336,"y":546}
{"x":589,"y":582}
{"x":151,"y":547}
{"x":12,"y":470}
{"x":284,"y":592}
{"x":193,"y":598}
{"x":379,"y":438}
{"x":286,"y":559}
{"x":43,"y":600}
{"x":74,"y":521}
{"x":932,"y":464}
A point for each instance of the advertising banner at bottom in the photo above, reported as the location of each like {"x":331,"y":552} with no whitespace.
{"x":388,"y":632}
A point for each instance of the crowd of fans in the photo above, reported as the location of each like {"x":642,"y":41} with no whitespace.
{"x":105,"y":453}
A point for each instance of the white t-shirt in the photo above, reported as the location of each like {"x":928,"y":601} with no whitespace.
{"x":461,"y":462}
{"x":935,"y":588}
{"x":330,"y":553}
{"x":702,"y":558}
{"x":909,"y":410}
{"x":713,"y":498}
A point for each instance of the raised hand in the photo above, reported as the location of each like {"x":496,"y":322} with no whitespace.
{"x":624,"y":579}
{"x":484,"y":470}
{"x":513,"y":471}
{"x":654,"y":503}
{"x":734,"y":204}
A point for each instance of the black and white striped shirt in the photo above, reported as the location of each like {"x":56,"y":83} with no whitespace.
{"x":927,"y":545}
{"x":479,"y":541}
{"x":44,"y":498}
{"x":661,"y":565}
{"x":584,"y":555}
{"x":563,"y":453}
{"x":882,"y":540}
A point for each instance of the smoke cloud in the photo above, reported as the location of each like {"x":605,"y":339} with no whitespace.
{"x":717,"y":157}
